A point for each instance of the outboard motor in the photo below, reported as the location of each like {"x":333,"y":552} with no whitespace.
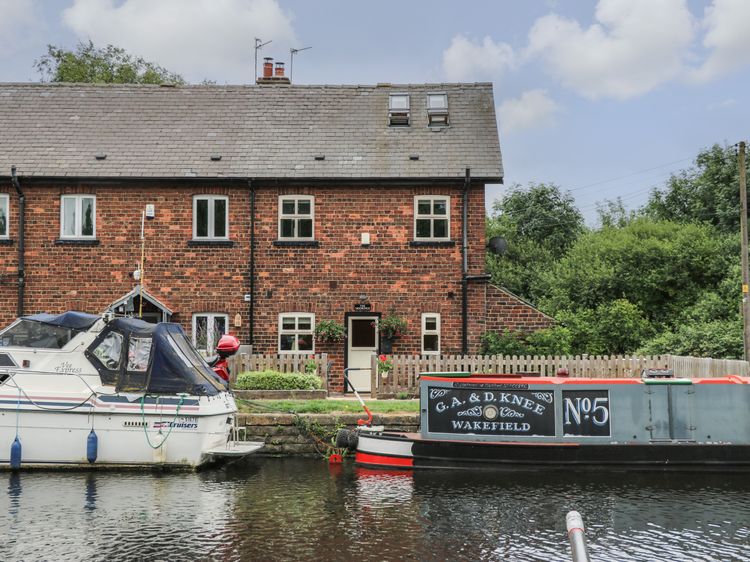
{"x":228,"y":345}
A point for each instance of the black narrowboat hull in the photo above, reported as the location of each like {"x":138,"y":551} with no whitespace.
{"x":405,"y":451}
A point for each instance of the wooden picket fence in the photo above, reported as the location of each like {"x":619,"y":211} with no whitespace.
{"x":292,"y":363}
{"x":404,"y":375}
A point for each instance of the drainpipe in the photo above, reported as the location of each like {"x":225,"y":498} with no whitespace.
{"x":252,"y":261}
{"x":465,"y":265}
{"x":21,"y":240}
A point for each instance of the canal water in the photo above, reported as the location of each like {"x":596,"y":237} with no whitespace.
{"x":302,"y":509}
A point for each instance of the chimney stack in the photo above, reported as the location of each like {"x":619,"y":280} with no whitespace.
{"x":272,"y":75}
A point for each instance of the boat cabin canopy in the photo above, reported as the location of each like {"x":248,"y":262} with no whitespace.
{"x":137,"y":356}
{"x":46,"y":331}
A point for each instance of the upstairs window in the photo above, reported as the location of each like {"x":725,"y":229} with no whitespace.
{"x":210,"y":217}
{"x":296,"y":217}
{"x":431,"y":218}
{"x":430,"y":334}
{"x":296,"y":333}
{"x":78,"y":216}
{"x":207,"y":330}
{"x":437,"y":110}
{"x":3,"y":215}
{"x":398,"y":110}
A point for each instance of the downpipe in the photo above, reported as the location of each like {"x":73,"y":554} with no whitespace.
{"x":21,"y":240}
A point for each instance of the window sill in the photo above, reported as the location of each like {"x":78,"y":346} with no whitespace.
{"x":6,"y":241}
{"x":432,"y":243}
{"x":298,"y":243}
{"x":211,"y":243}
{"x":77,"y":242}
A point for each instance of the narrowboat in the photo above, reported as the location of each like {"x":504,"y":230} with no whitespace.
{"x":655,"y":422}
{"x":85,"y":390}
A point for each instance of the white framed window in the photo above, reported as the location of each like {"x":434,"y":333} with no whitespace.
{"x":296,"y":331}
{"x":437,"y":109}
{"x":208,"y":327}
{"x":78,"y":216}
{"x":398,"y":110}
{"x":4,"y":215}
{"x":432,"y":217}
{"x":210,"y":217}
{"x":296,"y":217}
{"x":430,"y":333}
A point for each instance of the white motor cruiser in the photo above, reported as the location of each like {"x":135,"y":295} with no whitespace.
{"x":80,"y":389}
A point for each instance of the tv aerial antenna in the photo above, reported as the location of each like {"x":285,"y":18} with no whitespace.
{"x":259,"y":44}
{"x":293,"y":52}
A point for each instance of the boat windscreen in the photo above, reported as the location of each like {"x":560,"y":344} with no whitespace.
{"x":30,"y":333}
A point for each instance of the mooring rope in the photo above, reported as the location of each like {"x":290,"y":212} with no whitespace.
{"x":171,"y":425}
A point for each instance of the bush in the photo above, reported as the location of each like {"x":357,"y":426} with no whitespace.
{"x":547,"y":341}
{"x":274,"y":380}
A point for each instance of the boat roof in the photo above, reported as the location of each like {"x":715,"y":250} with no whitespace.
{"x":509,"y":379}
{"x":71,"y":319}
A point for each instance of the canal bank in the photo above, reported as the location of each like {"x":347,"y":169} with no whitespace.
{"x":287,"y":434}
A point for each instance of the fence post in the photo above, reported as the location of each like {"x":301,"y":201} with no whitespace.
{"x":374,"y":376}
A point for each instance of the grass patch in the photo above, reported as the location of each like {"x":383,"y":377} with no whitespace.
{"x":325,"y":406}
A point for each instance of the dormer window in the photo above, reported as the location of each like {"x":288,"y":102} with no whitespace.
{"x":398,"y":110}
{"x":437,"y":109}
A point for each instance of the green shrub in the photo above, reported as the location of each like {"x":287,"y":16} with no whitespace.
{"x":274,"y":380}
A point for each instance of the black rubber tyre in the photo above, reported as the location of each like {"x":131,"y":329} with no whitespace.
{"x":342,"y":438}
{"x":353,"y":440}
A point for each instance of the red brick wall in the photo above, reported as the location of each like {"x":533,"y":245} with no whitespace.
{"x":89,"y":278}
{"x":326,"y":280}
{"x":506,"y":311}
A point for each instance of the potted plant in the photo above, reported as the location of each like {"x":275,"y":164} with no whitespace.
{"x":391,"y":328}
{"x":329,"y":331}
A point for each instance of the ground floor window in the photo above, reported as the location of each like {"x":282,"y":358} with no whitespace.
{"x":430,"y":333}
{"x":208,"y":327}
{"x":296,"y":332}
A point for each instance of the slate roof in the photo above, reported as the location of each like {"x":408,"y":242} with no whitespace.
{"x":55,"y":130}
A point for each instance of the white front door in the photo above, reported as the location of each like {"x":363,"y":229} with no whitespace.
{"x":361,"y":344}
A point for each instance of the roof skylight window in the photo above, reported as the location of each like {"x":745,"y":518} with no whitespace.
{"x":437,"y":109}
{"x":398,"y":110}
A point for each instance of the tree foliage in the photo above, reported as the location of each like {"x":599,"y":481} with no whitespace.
{"x":709,"y":192}
{"x":661,"y":279}
{"x":539,"y":224}
{"x":108,"y":65}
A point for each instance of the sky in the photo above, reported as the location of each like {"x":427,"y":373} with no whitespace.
{"x":605,"y":98}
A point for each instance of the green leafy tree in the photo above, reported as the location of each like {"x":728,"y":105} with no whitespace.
{"x":108,"y":65}
{"x":661,"y":267}
{"x":539,"y":223}
{"x":707,"y":192}
{"x":547,"y":341}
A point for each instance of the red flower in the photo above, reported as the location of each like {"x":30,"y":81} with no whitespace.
{"x":382,"y":357}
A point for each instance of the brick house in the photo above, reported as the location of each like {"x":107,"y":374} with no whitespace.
{"x":269,"y":209}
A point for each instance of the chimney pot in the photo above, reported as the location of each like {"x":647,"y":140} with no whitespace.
{"x":279,"y":69}
{"x":267,"y":67}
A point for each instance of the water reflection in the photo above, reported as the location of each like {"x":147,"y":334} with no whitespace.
{"x":293,"y":509}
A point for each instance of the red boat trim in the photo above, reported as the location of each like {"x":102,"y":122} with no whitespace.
{"x":383,"y":460}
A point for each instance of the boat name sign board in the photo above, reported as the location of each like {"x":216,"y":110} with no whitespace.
{"x":491,"y":412}
{"x":505,"y":410}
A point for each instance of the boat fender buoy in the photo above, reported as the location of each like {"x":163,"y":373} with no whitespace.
{"x":335,"y":458}
{"x":342,"y":438}
{"x":15,"y":454}
{"x":92,"y":447}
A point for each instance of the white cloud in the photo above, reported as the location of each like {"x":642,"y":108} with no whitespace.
{"x":467,"y":60}
{"x":635,"y":46}
{"x":532,"y":109}
{"x":197,"y":38}
{"x":16,"y":17}
{"x":727,"y":36}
